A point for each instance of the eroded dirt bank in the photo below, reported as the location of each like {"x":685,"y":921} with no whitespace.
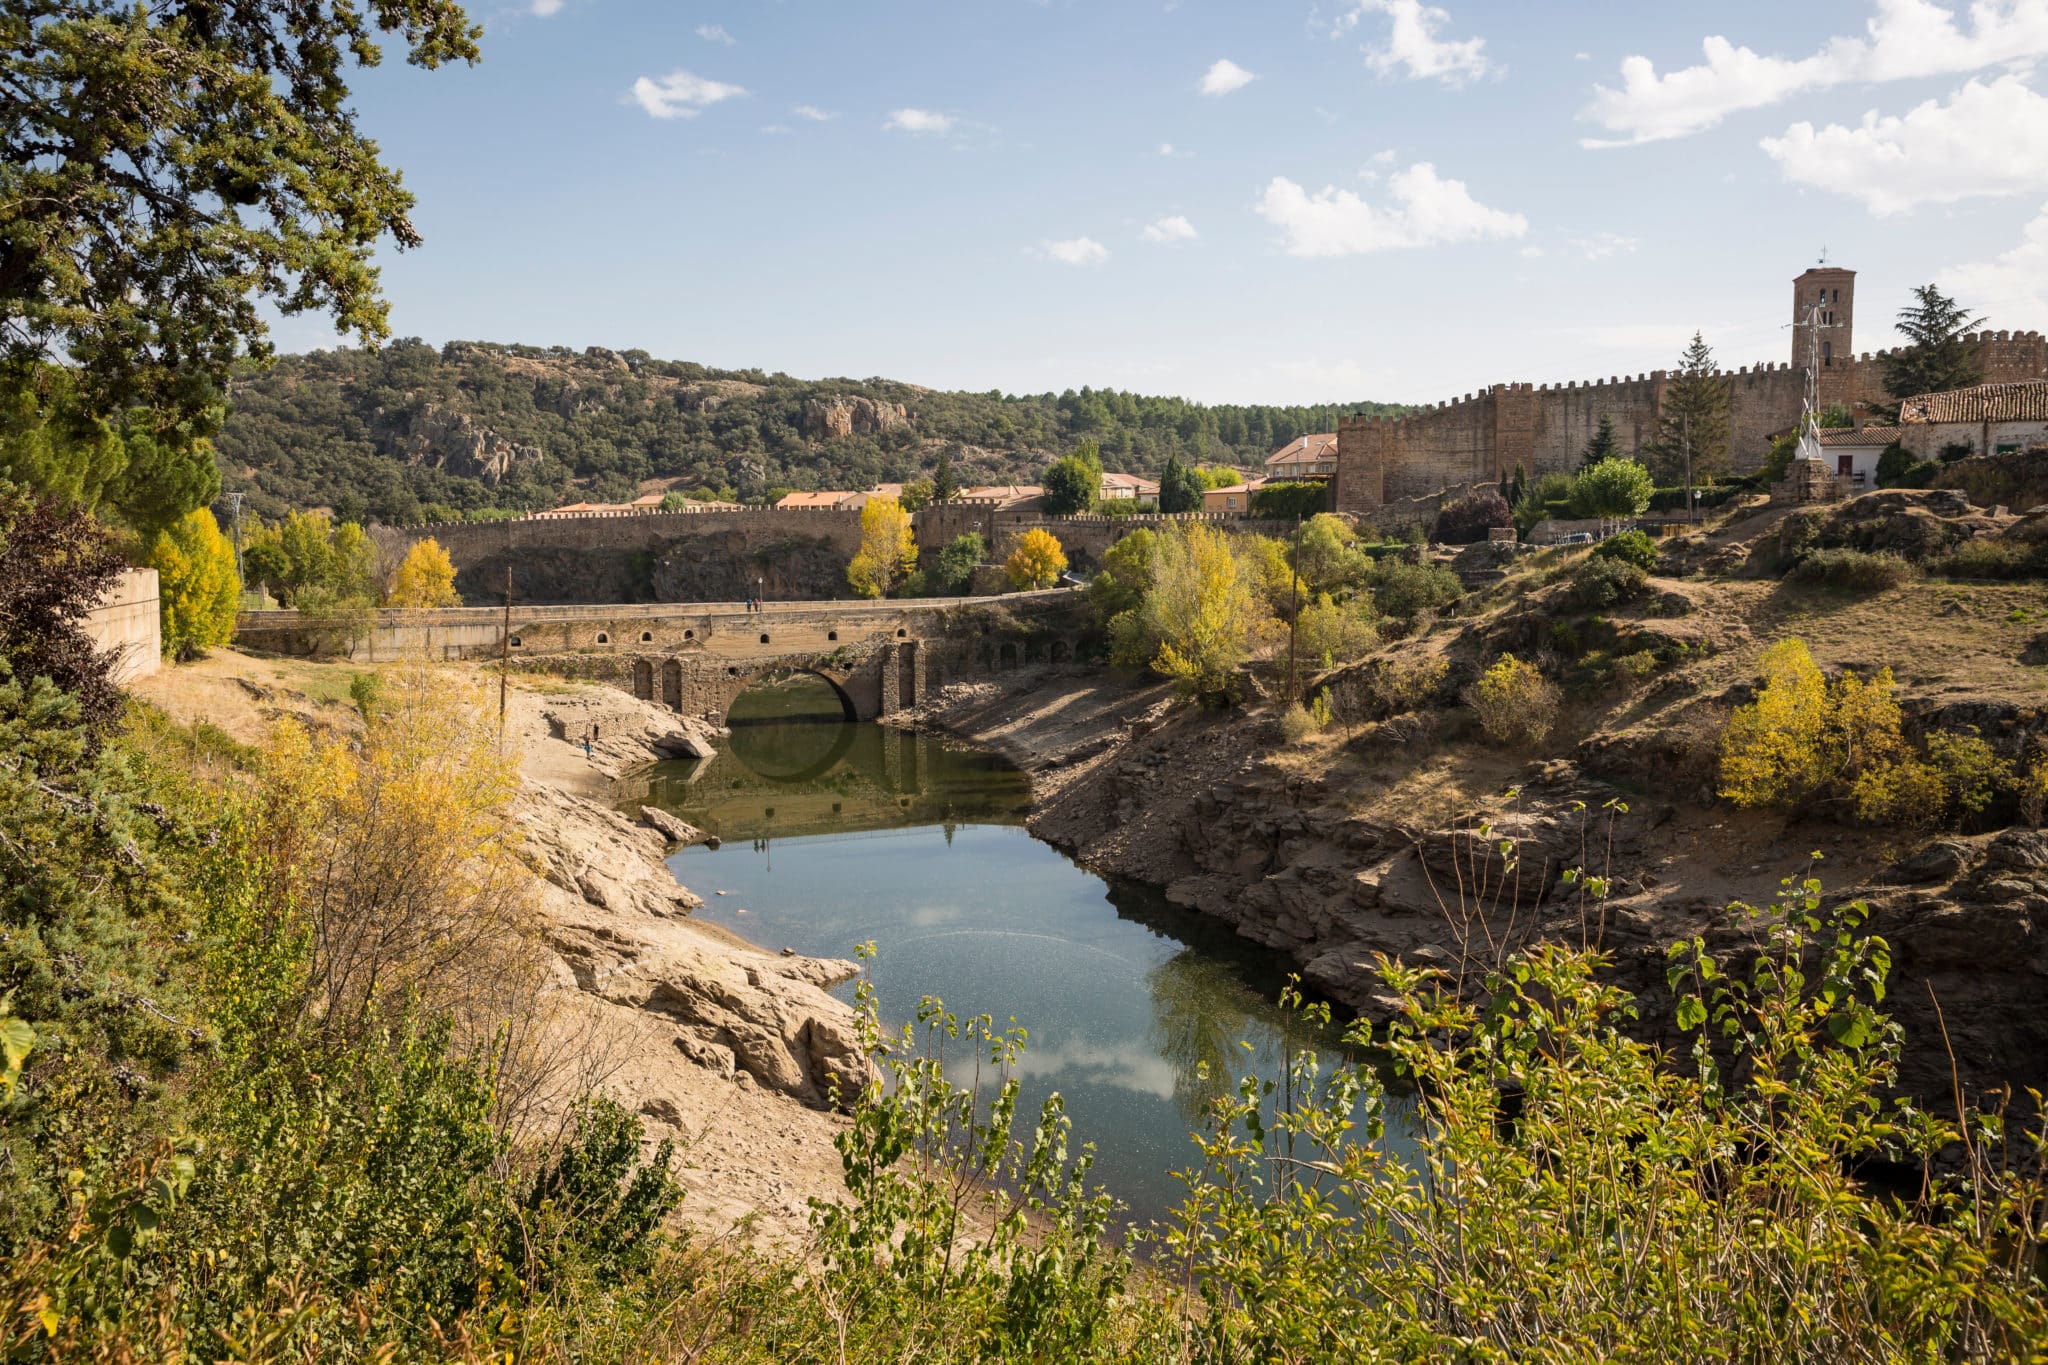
{"x":1369,"y":844}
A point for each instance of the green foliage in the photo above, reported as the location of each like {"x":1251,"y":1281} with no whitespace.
{"x":1692,"y":422}
{"x":1612,"y":489}
{"x":1180,"y":487}
{"x":1125,"y":578}
{"x":142,"y":473}
{"x":1201,"y":617}
{"x":1834,"y":417}
{"x":1287,"y":501}
{"x":1893,"y":465}
{"x":1854,"y":570}
{"x":953,"y":568}
{"x":1517,"y":706}
{"x":917,"y":495}
{"x":1404,"y":590}
{"x":1778,"y":460}
{"x":945,"y":483}
{"x":1328,"y":556}
{"x":1074,"y":482}
{"x":1471,"y":517}
{"x":168,"y":166}
{"x":197,"y":587}
{"x":1631,"y":547}
{"x":1539,"y":498}
{"x":1989,"y":557}
{"x":1936,"y":356}
{"x":1604,"y":445}
{"x":1329,"y":633}
{"x":1598,"y":583}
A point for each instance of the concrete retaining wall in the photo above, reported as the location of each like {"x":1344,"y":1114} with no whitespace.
{"x":129,"y":621}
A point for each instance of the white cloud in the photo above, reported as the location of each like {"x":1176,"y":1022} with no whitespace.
{"x":1906,"y":39}
{"x":1987,"y":140}
{"x":1599,"y":246}
{"x":545,"y":9}
{"x":1225,"y":76}
{"x":777,"y":128}
{"x":1166,"y":149}
{"x":1173,"y":228}
{"x":715,"y":33}
{"x":2015,"y":283}
{"x":918,"y":121}
{"x":1384,"y":157}
{"x":1076,"y":251}
{"x":813,"y":113}
{"x":1413,"y":46}
{"x":680,"y":94}
{"x":1425,"y":211}
{"x":1531,"y":253}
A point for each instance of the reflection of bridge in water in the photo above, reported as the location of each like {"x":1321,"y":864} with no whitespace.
{"x":789,"y":779}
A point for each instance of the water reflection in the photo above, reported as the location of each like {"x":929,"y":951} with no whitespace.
{"x":837,"y":834}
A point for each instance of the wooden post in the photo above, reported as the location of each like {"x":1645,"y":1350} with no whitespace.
{"x":504,"y":657}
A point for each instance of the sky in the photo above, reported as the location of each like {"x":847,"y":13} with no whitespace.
{"x":1276,"y":201}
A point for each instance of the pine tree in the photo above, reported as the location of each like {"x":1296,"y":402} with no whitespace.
{"x":1603,"y":446}
{"x":1692,"y":428}
{"x":945,"y":484}
{"x":1938,"y":358}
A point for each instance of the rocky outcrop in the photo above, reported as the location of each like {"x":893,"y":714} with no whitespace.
{"x":438,"y":438}
{"x":827,"y":418}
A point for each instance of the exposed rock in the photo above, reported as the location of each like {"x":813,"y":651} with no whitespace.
{"x":678,"y":831}
{"x":438,"y":438}
{"x":826,"y":418}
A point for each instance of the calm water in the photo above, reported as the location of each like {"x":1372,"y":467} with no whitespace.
{"x":835,"y":834}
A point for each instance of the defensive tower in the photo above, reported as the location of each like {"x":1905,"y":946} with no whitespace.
{"x":1823,"y":310}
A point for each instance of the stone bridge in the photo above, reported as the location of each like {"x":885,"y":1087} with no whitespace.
{"x":880,"y":657}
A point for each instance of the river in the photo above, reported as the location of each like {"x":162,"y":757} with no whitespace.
{"x":835,"y":833}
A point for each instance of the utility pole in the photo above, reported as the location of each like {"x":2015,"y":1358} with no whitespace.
{"x":235,"y":508}
{"x":1685,"y":443}
{"x":504,"y":657}
{"x":1293,"y":605}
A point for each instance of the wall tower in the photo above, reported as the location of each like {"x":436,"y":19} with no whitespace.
{"x":1826,"y":295}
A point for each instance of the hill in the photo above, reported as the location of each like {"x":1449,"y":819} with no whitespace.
{"x":476,"y":426}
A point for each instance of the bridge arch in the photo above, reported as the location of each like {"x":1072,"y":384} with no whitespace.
{"x":742,"y":681}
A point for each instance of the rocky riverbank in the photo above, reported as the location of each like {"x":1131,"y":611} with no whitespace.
{"x":1386,"y":845}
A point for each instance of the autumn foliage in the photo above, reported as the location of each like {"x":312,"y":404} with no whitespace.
{"x":425,"y":578}
{"x":1037,"y":561}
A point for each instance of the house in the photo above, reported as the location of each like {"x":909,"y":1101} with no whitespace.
{"x":829,"y":501}
{"x":1990,"y":419}
{"x":1307,"y":457}
{"x":1003,"y":497}
{"x":1116,"y":486}
{"x":1853,"y":454}
{"x":1236,"y":499}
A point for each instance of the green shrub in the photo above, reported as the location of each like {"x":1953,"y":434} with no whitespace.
{"x":1855,"y":570}
{"x":1287,"y":501}
{"x":1515,"y":703}
{"x":1633,"y":670}
{"x":1987,"y":557}
{"x":1405,"y":590}
{"x":1598,"y":583}
{"x":1633,"y":547}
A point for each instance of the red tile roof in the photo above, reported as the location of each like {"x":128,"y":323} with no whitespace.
{"x":1868,"y":436}
{"x":2022,"y":402}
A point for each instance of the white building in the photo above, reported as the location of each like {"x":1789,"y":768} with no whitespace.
{"x":1853,"y":455}
{"x":1991,"y":419}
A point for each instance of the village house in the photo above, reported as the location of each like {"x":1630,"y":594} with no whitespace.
{"x":830,"y":500}
{"x":1004,"y":497}
{"x":1118,"y":487}
{"x":1306,"y":457}
{"x":1236,"y":499}
{"x":1990,"y":419}
{"x":648,"y":502}
{"x":1853,"y":454}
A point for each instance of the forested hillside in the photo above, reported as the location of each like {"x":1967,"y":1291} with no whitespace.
{"x":475,"y":426}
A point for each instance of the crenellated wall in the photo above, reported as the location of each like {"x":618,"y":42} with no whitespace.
{"x":1399,"y":467}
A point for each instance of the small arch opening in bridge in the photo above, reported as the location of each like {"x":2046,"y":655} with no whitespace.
{"x":689,"y":635}
{"x":901,"y":633}
{"x":645,"y":636}
{"x":603,"y":638}
{"x":764,"y":638}
{"x":831,"y":634}
{"x":1059,"y":653}
{"x":1008,"y":654}
{"x":515,"y":642}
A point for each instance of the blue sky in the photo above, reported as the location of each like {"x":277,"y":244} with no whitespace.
{"x":1283,"y":201}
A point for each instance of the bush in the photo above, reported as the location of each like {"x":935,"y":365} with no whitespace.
{"x":1549,"y":496}
{"x":1288,"y":501}
{"x":1329,"y":633}
{"x":1516,"y":704}
{"x":1405,"y":590}
{"x":1297,"y":724}
{"x":1073,"y":482}
{"x":1855,"y":570}
{"x":1612,"y":489}
{"x":1631,"y":547}
{"x":1893,"y":464}
{"x":1469,"y":518}
{"x":1987,"y":557}
{"x":1598,"y":583}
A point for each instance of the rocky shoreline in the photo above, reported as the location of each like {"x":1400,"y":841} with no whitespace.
{"x":1208,"y":806}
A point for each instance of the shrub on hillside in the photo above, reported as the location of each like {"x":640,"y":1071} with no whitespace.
{"x":1855,"y":570}
{"x":1516,"y":705}
{"x":1404,"y":590}
{"x":1598,"y":583}
{"x":1290,"y":501}
{"x":1469,"y":518}
{"x":1987,"y":557}
{"x":1330,"y":633}
{"x":1632,"y":547}
{"x":54,"y":566}
{"x":1612,"y":489}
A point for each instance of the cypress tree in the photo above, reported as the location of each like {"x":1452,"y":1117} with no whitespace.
{"x":1603,"y":446}
{"x":945,"y":485}
{"x":1694,"y":418}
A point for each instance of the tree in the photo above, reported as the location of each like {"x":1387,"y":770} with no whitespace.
{"x":917,"y":495}
{"x":196,"y":585}
{"x":1203,"y":611}
{"x":958,"y":561}
{"x":1327,"y":555}
{"x":1471,"y":517}
{"x":1125,"y":578}
{"x":945,"y":484}
{"x":1613,"y":489}
{"x":1074,"y":482}
{"x":1692,"y":425}
{"x":142,"y":474}
{"x":54,"y":568}
{"x":1603,"y":446}
{"x":888,"y":548}
{"x":1937,"y":357}
{"x":164,"y":166}
{"x":425,"y":578}
{"x":1037,"y":561}
{"x":1180,"y":487}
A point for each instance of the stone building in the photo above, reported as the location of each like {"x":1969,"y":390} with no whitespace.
{"x":1399,"y":469}
{"x":1991,"y":419}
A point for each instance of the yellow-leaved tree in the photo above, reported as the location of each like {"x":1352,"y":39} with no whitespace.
{"x":1037,"y":561}
{"x":197,"y":586}
{"x":1204,"y":610}
{"x":888,"y":548}
{"x":425,"y":578}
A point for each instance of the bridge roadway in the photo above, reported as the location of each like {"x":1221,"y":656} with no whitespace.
{"x":697,"y":656}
